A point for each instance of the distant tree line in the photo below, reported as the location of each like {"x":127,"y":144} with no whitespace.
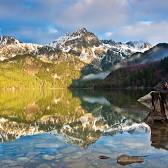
{"x":164,"y":64}
{"x":134,"y":76}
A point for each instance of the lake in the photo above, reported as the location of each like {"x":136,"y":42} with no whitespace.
{"x":73,"y":129}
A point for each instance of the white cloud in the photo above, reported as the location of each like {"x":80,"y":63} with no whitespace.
{"x":38,"y":35}
{"x":153,"y":32}
{"x":122,"y":17}
{"x":52,"y":30}
{"x":109,"y":34}
{"x":147,"y":23}
{"x":95,"y":13}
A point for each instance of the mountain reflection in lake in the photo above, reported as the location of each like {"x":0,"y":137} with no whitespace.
{"x":62,"y":128}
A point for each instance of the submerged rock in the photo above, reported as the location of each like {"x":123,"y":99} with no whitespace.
{"x":126,"y":160}
{"x":43,"y":166}
{"x":104,"y":157}
{"x":48,"y":157}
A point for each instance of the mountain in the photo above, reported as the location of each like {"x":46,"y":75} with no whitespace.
{"x":145,"y":69}
{"x":121,"y":52}
{"x":29,"y":71}
{"x":139,"y":45}
{"x":6,"y":40}
{"x":133,"y":46}
{"x":85,"y":45}
{"x":135,"y":76}
{"x":102,"y":54}
{"x":79,"y":55}
{"x":156,"y":53}
{"x":81,"y":43}
{"x":25,"y":65}
{"x":80,"y":38}
{"x":11,"y":47}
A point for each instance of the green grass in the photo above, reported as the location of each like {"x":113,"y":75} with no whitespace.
{"x":30,"y":72}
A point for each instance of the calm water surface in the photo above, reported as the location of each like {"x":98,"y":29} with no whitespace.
{"x":71,"y":129}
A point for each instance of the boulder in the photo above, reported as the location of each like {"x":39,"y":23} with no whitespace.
{"x":126,"y":160}
{"x":157,"y":102}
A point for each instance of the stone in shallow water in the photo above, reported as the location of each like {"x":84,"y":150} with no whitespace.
{"x":43,"y":166}
{"x":103,"y":157}
{"x":9,"y":163}
{"x":77,"y":163}
{"x":126,"y":160}
{"x":48,"y":157}
{"x":23,"y":159}
{"x":68,"y":150}
{"x":59,"y":156}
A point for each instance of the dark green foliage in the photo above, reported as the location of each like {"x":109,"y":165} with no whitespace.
{"x":164,"y":64}
{"x":134,"y":76}
{"x":142,"y":78}
{"x":140,"y":75}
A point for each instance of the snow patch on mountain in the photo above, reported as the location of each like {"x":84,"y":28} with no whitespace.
{"x":2,"y":58}
{"x":7,"y":40}
{"x":132,"y":46}
{"x":139,"y":45}
{"x":89,"y":49}
{"x":70,"y":38}
{"x":11,"y":47}
{"x":100,"y":54}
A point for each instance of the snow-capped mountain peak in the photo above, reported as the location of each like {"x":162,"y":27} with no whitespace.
{"x":7,"y":40}
{"x":81,"y":31}
{"x":100,"y":54}
{"x":80,"y":43}
{"x":11,"y":47}
{"x":134,"y":46}
{"x":140,"y":45}
{"x":104,"y":53}
{"x":81,"y":37}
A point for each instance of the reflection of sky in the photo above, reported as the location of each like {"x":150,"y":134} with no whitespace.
{"x":135,"y":144}
{"x":43,"y":21}
{"x":44,"y":148}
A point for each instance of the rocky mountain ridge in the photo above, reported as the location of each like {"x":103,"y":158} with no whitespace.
{"x":6,"y":40}
{"x":101,"y":53}
{"x":84,"y":47}
{"x":155,"y":53}
{"x":11,"y":47}
{"x":81,"y":43}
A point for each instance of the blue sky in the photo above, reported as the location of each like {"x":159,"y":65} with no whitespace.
{"x":42,"y":21}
